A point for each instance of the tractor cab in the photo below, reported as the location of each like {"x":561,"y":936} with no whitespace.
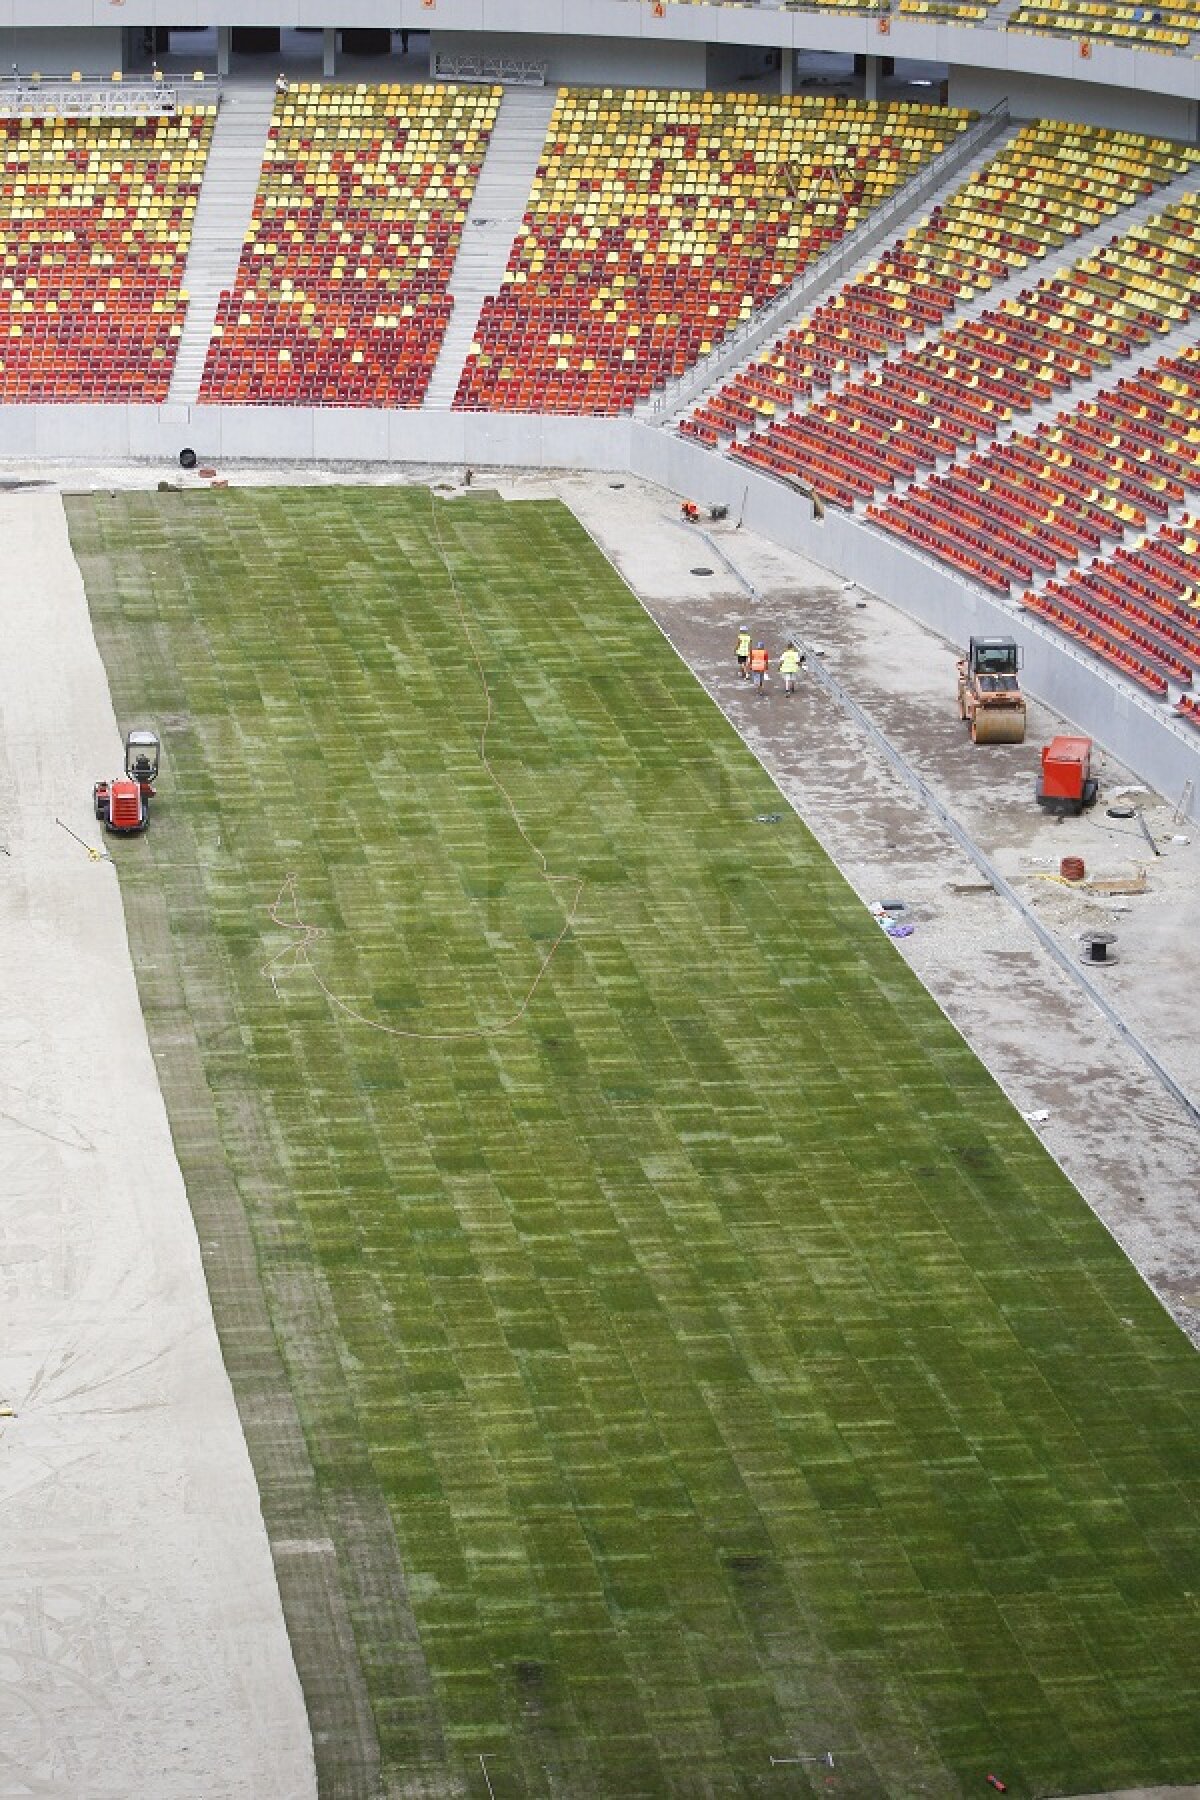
{"x":141,"y":759}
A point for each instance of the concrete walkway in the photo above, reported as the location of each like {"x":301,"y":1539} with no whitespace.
{"x":222,"y":220}
{"x":495,"y":215}
{"x":142,"y":1641}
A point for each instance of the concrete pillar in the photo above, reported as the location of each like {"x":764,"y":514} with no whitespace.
{"x":329,"y":52}
{"x":224,"y":44}
{"x":787,"y":71}
{"x":871,"y":79}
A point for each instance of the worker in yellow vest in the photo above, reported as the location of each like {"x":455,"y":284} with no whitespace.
{"x":760,"y":661}
{"x":790,"y":665}
{"x":743,"y":653}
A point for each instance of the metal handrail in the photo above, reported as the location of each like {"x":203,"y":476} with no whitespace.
{"x":657,"y":408}
{"x":497,"y":68}
{"x":93,"y":97}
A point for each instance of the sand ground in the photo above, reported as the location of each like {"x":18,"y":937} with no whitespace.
{"x":142,"y":1643}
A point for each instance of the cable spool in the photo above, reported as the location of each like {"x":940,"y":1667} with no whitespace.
{"x":1097,"y":947}
{"x":1071,"y":868}
{"x":188,"y":459}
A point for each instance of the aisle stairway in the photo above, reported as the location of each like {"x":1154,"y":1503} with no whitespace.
{"x":497,"y":210}
{"x":222,"y":217}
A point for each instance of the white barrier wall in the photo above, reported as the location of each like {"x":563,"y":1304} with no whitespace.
{"x":310,"y":434}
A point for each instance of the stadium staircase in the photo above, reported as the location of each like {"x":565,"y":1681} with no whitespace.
{"x":498,"y":207}
{"x":998,"y":16}
{"x":222,"y":217}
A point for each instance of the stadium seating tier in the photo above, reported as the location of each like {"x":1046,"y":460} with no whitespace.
{"x":341,"y":296}
{"x":1045,"y":187}
{"x":660,"y":220}
{"x":95,"y":226}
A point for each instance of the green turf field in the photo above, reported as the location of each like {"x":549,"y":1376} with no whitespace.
{"x":739,"y":1376}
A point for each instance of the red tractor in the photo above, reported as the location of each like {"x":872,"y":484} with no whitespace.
{"x":123,"y":805}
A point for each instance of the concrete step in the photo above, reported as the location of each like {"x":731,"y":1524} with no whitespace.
{"x":219,"y":230}
{"x":497,"y":208}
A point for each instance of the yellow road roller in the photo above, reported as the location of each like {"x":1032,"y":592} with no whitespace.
{"x":989,"y":692}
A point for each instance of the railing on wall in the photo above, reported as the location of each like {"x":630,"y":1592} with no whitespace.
{"x":89,"y":97}
{"x":499,"y":69}
{"x":660,"y":407}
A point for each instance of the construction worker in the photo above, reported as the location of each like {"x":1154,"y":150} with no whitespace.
{"x":743,"y":653}
{"x":690,"y":511}
{"x":790,"y":665}
{"x":760,"y":662}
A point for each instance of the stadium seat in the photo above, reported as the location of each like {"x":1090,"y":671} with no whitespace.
{"x":1046,"y":186}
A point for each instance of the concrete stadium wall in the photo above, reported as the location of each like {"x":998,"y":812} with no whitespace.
{"x":589,"y":61}
{"x":309,"y":434}
{"x":1063,"y":97}
{"x":1143,"y":734}
{"x":1010,"y":54}
{"x":92,"y":51}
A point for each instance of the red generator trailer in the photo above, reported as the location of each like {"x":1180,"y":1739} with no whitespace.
{"x":123,"y":805}
{"x":1065,"y":784}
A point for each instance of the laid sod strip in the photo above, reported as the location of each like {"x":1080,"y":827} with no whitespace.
{"x":713,"y":1367}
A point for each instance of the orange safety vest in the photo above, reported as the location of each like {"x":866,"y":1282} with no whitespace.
{"x":759,"y":660}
